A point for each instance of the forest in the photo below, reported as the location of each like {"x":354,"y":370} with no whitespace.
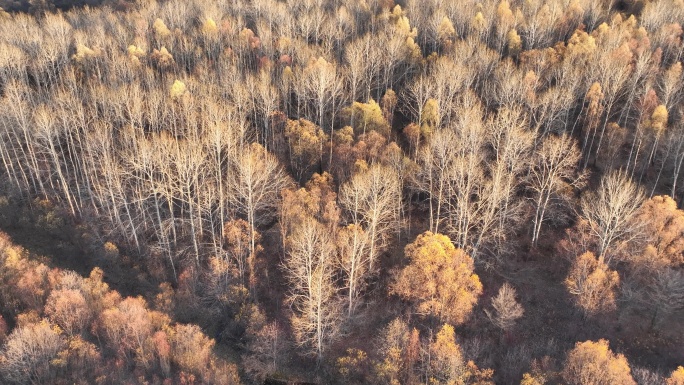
{"x":391,"y":192}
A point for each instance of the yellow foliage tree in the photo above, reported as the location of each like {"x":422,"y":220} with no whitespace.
{"x":162,"y":58}
{"x":514,"y":42}
{"x":398,"y":350}
{"x":676,"y":378}
{"x":658,"y":120}
{"x":532,"y":379}
{"x":351,"y":367}
{"x":209,"y":27}
{"x":581,"y":44}
{"x":593,"y":363}
{"x":368,"y":117}
{"x":429,"y":118}
{"x":446,"y":32}
{"x":479,"y":23}
{"x":446,"y":359}
{"x":306,"y":141}
{"x":177,"y":90}
{"x":439,"y":278}
{"x":160,"y":29}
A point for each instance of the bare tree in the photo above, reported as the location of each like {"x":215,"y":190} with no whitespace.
{"x":354,"y":259}
{"x":506,"y":310}
{"x":370,"y":198}
{"x":609,"y":212}
{"x":552,"y":179}
{"x":323,"y":89}
{"x":254,"y":187}
{"x":665,"y":293}
{"x":435,"y":160}
{"x":28,"y":352}
{"x":310,"y":270}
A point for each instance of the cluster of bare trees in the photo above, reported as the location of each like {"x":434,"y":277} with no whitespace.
{"x":175,"y":104}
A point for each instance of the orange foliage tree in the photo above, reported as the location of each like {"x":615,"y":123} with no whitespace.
{"x":592,"y":284}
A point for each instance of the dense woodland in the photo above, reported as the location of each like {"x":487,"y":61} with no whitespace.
{"x":342,"y":192}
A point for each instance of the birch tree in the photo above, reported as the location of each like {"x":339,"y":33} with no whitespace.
{"x":610,"y":212}
{"x":255,"y":183}
{"x":310,"y":271}
{"x":370,"y":199}
{"x":552,"y":179}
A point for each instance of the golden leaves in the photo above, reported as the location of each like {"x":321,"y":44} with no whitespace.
{"x":178,"y":89}
{"x":594,"y":363}
{"x":439,"y":278}
{"x":160,"y":29}
{"x":676,"y":378}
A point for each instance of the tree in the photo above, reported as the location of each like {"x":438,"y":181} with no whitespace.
{"x":237,"y":236}
{"x":663,"y":225}
{"x":592,"y":284}
{"x":322,"y":91}
{"x":306,"y":142}
{"x":266,"y":349}
{"x":317,"y":200}
{"x":439,"y":279}
{"x":191,"y":350}
{"x":81,"y":359}
{"x":445,"y":33}
{"x":354,"y":259}
{"x":310,"y":270}
{"x":257,"y":180}
{"x":593,"y":363}
{"x":610,"y":212}
{"x":500,"y":210}
{"x":676,"y":378}
{"x":398,"y":348}
{"x":446,"y":363}
{"x":361,"y":61}
{"x":553,"y":178}
{"x":429,"y":118}
{"x":353,"y":366}
{"x":665,"y":293}
{"x":513,"y":43}
{"x":533,"y":379}
{"x":435,"y":161}
{"x":126,"y":328}
{"x":26,"y":356}
{"x":370,"y":198}
{"x":68,"y":309}
{"x":368,"y":117}
{"x":506,"y":310}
